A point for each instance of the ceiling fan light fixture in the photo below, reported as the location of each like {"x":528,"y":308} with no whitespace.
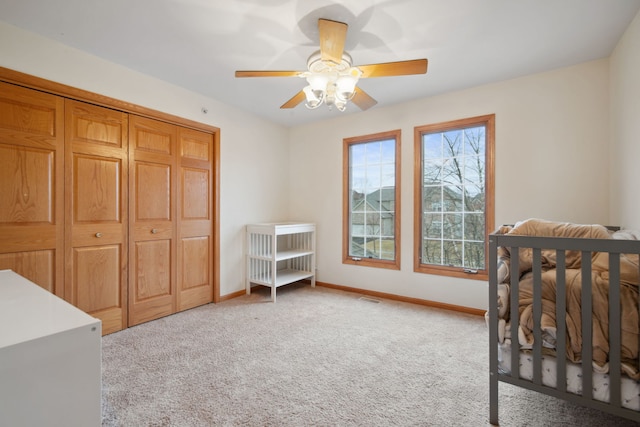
{"x":330,"y":75}
{"x":318,"y":81}
{"x":340,"y":104}
{"x":314,"y":98}
{"x":346,"y":87}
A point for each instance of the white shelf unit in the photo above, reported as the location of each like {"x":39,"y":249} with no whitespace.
{"x":279,"y":254}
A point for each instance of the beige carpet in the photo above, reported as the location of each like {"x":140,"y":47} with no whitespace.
{"x":318,"y":357}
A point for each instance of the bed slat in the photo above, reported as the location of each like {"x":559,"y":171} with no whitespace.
{"x":493,"y":331}
{"x":561,"y":321}
{"x":515,"y":319}
{"x":537,"y":315}
{"x":587,"y":327}
{"x":615,"y":310}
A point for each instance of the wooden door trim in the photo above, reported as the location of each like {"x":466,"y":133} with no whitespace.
{"x":32,"y":82}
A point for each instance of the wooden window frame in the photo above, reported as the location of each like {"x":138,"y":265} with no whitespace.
{"x":489,"y":122}
{"x":346,"y":235}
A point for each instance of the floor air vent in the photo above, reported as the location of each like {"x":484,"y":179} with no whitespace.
{"x":369,"y":299}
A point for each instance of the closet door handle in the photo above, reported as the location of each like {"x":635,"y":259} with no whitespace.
{"x":98,"y":235}
{"x":154,"y":230}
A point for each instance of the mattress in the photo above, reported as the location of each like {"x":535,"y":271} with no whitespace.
{"x":630,"y":389}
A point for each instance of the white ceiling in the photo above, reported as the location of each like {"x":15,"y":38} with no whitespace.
{"x":198,"y":44}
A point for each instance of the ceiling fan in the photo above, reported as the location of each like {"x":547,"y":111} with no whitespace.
{"x":332,"y":78}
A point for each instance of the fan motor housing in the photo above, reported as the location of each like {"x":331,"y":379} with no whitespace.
{"x":315,"y":64}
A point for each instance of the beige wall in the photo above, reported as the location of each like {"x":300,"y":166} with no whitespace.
{"x":552,"y":151}
{"x":552,"y":133}
{"x":625,"y":128}
{"x":252,"y":189}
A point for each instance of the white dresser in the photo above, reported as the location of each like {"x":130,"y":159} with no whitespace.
{"x":50,"y":358}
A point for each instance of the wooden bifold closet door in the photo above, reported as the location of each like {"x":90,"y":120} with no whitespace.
{"x":152,"y":229}
{"x":96,"y":212}
{"x":170,"y":238}
{"x":195,"y":222}
{"x":32,"y":185}
{"x":110,"y":210}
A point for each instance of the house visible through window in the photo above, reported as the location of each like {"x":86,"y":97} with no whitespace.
{"x":371,"y":202}
{"x":454,"y":203}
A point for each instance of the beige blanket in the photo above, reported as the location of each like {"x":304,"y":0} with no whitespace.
{"x":573,"y":275}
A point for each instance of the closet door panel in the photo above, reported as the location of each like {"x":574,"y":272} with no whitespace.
{"x":152,"y":236}
{"x":97,"y":212}
{"x":29,"y":117}
{"x":102,"y":174}
{"x":153,"y":189}
{"x":26,"y":193}
{"x":153,"y":278}
{"x":195,"y":225}
{"x":32,"y":185}
{"x":195,"y":194}
{"x":37,"y":266}
{"x":99,"y":266}
{"x":195,"y":279}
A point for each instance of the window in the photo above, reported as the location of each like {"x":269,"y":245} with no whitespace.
{"x":454,"y":197}
{"x":371,"y":200}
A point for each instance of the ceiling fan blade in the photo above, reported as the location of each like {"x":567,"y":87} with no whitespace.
{"x":332,"y":37}
{"x":250,"y":73}
{"x":293,"y":102}
{"x":363,"y":100}
{"x":400,"y":68}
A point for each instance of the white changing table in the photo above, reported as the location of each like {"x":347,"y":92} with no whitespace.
{"x":280,"y":253}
